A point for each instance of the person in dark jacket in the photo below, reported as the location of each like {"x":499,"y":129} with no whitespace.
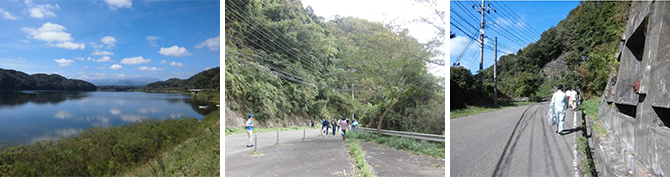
{"x":325,"y":124}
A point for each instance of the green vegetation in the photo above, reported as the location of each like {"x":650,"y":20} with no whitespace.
{"x":197,"y":157}
{"x":356,"y":151}
{"x":118,"y":88}
{"x":102,"y":151}
{"x":208,"y":79}
{"x":472,"y":110}
{"x":283,"y":60}
{"x":591,"y":30}
{"x":420,"y":147}
{"x":586,"y":165}
{"x":234,"y":131}
{"x":17,"y":80}
{"x":591,"y":106}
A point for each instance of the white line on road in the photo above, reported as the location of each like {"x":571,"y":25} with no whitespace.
{"x":575,"y":161}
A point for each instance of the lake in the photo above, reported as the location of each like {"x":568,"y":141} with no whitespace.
{"x":30,"y":116}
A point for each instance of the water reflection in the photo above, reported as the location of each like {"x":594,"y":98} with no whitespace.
{"x":36,"y":115}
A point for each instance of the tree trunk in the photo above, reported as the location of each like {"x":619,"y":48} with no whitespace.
{"x":379,"y":125}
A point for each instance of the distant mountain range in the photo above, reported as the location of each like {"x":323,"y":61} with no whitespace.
{"x":140,"y":81}
{"x":17,"y":80}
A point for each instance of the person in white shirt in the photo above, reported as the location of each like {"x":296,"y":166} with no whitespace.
{"x":559,"y":104}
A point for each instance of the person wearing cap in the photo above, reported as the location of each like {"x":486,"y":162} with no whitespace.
{"x":250,"y":129}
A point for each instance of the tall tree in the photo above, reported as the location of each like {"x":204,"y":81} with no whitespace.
{"x":386,"y":62}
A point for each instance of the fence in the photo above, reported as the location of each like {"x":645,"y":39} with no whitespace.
{"x":422,"y":136}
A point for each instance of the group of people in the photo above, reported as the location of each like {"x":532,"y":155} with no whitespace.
{"x":561,"y":101}
{"x":339,"y":125}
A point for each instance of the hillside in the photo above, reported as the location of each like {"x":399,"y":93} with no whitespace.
{"x":17,"y":80}
{"x":208,"y":79}
{"x":283,"y":62}
{"x":578,"y":52}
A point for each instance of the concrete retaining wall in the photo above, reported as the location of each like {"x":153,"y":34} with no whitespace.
{"x":635,"y":107}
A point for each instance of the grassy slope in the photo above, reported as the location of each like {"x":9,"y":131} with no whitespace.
{"x":197,"y":156}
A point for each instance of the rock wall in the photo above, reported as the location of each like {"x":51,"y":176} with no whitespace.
{"x":635,"y":107}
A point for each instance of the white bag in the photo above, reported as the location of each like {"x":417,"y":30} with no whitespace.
{"x":551,"y":119}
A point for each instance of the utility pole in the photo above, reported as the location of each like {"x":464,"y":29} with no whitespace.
{"x":482,"y":9}
{"x":495,"y":65}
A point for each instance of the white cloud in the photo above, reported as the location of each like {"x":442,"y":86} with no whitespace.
{"x":100,"y":67}
{"x":144,"y":68}
{"x":104,"y":59}
{"x":25,"y":41}
{"x":163,"y":62}
{"x":211,"y":43}
{"x":176,"y":64}
{"x":457,"y":44}
{"x":62,"y":115}
{"x":152,"y":40}
{"x":135,"y":61}
{"x":96,"y":45}
{"x":85,"y":67}
{"x":113,"y":4}
{"x":21,"y":58}
{"x":78,"y":58}
{"x":49,"y":32}
{"x":8,"y":15}
{"x":116,"y":67}
{"x":64,"y":62}
{"x":115,"y":111}
{"x":174,"y":51}
{"x":54,"y":35}
{"x":130,"y":118}
{"x":41,"y":10}
{"x":70,"y":45}
{"x":109,"y":41}
{"x":97,"y":52}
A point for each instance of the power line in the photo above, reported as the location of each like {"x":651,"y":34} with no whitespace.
{"x":512,"y":15}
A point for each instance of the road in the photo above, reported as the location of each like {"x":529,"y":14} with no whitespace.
{"x":512,"y":142}
{"x":238,"y":143}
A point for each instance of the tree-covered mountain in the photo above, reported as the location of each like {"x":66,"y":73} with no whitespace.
{"x":208,"y":79}
{"x":17,"y":80}
{"x":578,"y":52}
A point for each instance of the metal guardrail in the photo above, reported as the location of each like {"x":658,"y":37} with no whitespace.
{"x":422,"y":136}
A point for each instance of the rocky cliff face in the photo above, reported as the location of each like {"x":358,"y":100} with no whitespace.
{"x":237,"y":120}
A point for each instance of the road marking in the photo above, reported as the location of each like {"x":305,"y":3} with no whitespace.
{"x":575,"y":161}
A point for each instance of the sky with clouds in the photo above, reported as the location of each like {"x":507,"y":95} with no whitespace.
{"x":515,"y":23}
{"x":110,"y":39}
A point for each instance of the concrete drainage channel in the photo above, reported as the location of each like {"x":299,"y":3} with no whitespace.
{"x":587,"y":155}
{"x":609,"y":158}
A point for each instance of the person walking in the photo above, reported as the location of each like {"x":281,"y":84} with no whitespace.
{"x":343,"y":126}
{"x":559,"y":104}
{"x":250,"y":128}
{"x":325,"y":124}
{"x":354,"y":126}
{"x":334,"y":126}
{"x":578,"y":96}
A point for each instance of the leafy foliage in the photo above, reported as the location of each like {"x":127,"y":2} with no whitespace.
{"x":282,"y":60}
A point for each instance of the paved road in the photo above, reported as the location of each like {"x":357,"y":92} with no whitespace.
{"x":511,"y":142}
{"x":387,"y":161}
{"x":238,"y":143}
{"x":316,"y":156}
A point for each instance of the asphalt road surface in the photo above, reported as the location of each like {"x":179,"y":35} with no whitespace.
{"x":512,"y":142}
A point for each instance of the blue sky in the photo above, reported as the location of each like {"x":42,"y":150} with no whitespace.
{"x":110,"y":39}
{"x":516,"y":24}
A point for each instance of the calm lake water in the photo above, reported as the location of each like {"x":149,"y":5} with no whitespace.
{"x":29,"y":116}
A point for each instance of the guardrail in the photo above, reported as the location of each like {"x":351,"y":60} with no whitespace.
{"x":422,"y":136}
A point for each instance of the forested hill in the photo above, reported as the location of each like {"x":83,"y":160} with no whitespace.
{"x":208,"y":79}
{"x":17,"y":80}
{"x":578,"y":52}
{"x":283,"y":61}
